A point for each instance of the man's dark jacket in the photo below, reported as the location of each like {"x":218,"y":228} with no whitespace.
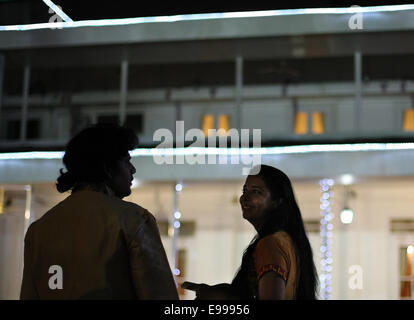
{"x":106,"y":248}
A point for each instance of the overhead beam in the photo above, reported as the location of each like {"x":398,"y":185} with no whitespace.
{"x":306,"y":166}
{"x":207,"y":29}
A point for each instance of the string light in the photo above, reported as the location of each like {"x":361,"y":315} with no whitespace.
{"x":326,"y":229}
{"x":177,"y":215}
{"x":178,"y":187}
{"x":346,"y":215}
{"x":151,"y":152}
{"x":174,"y":230}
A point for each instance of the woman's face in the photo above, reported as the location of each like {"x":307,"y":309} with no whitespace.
{"x":122,"y":176}
{"x":255,"y":199}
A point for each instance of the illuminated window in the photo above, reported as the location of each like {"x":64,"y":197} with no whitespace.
{"x":223,"y":123}
{"x":301,"y":123}
{"x":408,"y":122}
{"x":318,"y":124}
{"x":207,"y":122}
{"x":406,"y":273}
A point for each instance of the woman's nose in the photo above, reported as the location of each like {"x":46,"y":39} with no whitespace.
{"x":133,"y":170}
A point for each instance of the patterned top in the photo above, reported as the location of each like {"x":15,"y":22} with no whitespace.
{"x":273,"y":253}
{"x":276,"y":253}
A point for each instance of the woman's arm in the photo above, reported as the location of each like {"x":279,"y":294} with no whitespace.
{"x":271,"y":287}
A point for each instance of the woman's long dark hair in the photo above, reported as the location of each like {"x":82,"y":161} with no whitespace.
{"x":287,"y":217}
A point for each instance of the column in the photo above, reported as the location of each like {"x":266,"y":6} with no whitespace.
{"x":1,"y":88}
{"x":358,"y":89}
{"x":25,"y":101}
{"x":123,"y":91}
{"x":239,"y":91}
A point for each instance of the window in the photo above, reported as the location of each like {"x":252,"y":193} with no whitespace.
{"x":32,"y":129}
{"x":408,"y":122}
{"x":207,"y":122}
{"x":318,"y":125}
{"x":223,"y":123}
{"x":302,"y":122}
{"x":406,"y":272}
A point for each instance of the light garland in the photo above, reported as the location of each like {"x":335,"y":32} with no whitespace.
{"x":151,"y":152}
{"x":205,"y":16}
{"x":175,"y":229}
{"x":326,"y":230}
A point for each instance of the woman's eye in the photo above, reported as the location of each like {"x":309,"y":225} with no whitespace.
{"x":251,"y":191}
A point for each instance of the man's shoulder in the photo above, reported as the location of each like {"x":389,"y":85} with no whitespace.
{"x":125,"y":206}
{"x":131,"y":214}
{"x":84,"y":201}
{"x":103,"y":200}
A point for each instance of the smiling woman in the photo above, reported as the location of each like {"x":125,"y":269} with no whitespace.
{"x":278,"y":264}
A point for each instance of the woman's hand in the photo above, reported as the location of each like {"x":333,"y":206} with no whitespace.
{"x":204,"y":291}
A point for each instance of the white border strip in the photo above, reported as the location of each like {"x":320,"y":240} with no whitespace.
{"x":205,"y":16}
{"x":150,"y":152}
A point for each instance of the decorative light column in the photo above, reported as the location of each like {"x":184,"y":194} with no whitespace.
{"x":28,"y":214}
{"x":175,"y":229}
{"x":326,"y":229}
